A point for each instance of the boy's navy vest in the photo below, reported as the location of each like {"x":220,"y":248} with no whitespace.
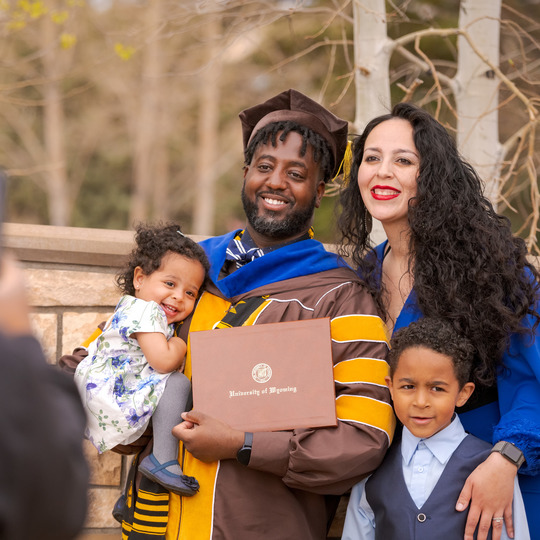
{"x":396,"y":515}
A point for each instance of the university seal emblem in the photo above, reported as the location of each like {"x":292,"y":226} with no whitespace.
{"x":261,"y":373}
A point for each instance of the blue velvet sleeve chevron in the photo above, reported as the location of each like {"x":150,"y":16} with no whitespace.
{"x":525,"y":435}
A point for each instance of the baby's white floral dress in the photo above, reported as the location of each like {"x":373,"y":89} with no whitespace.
{"x":119,"y":389}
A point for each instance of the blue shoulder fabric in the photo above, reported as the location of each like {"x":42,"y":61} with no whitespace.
{"x":298,"y":259}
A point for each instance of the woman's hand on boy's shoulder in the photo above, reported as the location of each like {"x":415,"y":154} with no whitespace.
{"x":489,"y":489}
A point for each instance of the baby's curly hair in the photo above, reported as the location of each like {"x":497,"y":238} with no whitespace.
{"x":152,"y":243}
{"x":437,"y":335}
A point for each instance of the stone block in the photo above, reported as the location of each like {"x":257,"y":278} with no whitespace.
{"x":77,"y":327}
{"x":44,"y":327}
{"x":49,"y":287}
{"x":100,"y":504}
{"x":105,"y":469}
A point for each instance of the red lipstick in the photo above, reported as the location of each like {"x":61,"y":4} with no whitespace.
{"x":384,"y":193}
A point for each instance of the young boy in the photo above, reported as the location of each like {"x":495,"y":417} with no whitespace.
{"x":430,"y":366}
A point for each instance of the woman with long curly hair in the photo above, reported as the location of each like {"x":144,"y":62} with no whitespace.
{"x":450,"y":255}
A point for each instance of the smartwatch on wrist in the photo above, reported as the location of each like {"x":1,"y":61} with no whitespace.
{"x":512,"y":453}
{"x":244,"y":454}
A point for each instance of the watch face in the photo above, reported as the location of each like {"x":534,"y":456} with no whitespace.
{"x":244,"y":455}
{"x":512,"y":452}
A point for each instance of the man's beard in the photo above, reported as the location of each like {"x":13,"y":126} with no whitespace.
{"x":276,"y":227}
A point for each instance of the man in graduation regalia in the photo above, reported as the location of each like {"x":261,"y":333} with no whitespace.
{"x":275,"y":486}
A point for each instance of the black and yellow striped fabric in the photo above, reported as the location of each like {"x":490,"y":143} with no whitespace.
{"x":240,"y":312}
{"x":147,"y":517}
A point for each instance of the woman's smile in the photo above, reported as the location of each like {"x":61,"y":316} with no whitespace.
{"x":384,"y":193}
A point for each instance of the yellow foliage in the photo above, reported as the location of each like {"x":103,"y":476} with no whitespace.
{"x":67,"y":40}
{"x":16,"y":24}
{"x":34,"y":9}
{"x":59,"y":17}
{"x":75,"y":3}
{"x":4,"y":5}
{"x":125,"y":53}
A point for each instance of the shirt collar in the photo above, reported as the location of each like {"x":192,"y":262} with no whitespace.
{"x":442,"y":445}
{"x":246,"y":239}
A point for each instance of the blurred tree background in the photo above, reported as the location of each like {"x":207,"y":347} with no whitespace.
{"x":116,"y":111}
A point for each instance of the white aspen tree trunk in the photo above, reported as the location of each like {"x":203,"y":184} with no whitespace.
{"x":147,"y":131}
{"x":207,"y":143}
{"x":372,"y":50}
{"x":53,"y":131}
{"x":477,"y":88}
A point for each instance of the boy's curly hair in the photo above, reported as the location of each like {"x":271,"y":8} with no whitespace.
{"x":152,"y":243}
{"x":437,"y":335}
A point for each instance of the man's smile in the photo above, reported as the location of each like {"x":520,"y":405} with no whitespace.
{"x":273,"y":202}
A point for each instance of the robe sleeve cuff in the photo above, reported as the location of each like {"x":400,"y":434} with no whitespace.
{"x":270,"y":452}
{"x":524,"y":434}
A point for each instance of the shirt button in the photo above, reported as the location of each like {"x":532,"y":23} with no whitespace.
{"x":421,"y":518}
{"x":420,"y":469}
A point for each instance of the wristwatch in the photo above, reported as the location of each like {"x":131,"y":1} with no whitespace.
{"x":510,"y":452}
{"x":244,"y":454}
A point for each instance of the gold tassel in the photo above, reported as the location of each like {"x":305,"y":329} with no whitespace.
{"x":345,"y":165}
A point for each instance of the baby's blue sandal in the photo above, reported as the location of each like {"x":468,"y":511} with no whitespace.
{"x":156,"y":471}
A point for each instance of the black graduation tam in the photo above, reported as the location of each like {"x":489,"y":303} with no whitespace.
{"x":295,"y":106}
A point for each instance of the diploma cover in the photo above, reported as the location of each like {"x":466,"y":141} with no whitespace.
{"x":265,"y":377}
